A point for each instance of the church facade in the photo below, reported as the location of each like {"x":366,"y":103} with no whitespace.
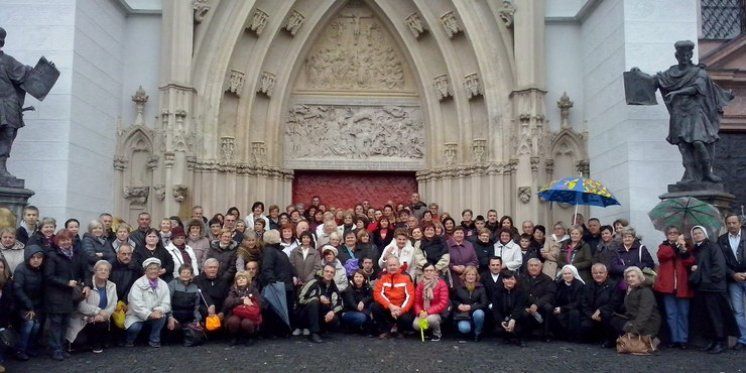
{"x":475,"y":104}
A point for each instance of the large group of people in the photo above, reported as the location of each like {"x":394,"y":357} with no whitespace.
{"x":400,"y":270}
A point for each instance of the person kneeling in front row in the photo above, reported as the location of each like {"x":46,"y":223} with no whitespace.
{"x":149,"y":303}
{"x":320,"y":303}
{"x":509,"y":309}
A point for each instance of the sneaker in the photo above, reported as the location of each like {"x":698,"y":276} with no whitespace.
{"x":435,"y":338}
{"x":21,"y":356}
{"x":384,"y":336}
{"x":98,"y":350}
{"x":58,"y":356}
{"x":296,"y":332}
{"x":306,"y":332}
{"x":154,"y":344}
{"x":315,"y":338}
{"x":129,"y":344}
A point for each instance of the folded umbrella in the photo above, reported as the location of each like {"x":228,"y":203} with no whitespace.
{"x":274,"y":294}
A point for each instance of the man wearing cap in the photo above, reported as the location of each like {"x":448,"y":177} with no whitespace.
{"x":180,"y":252}
{"x":12,"y":75}
{"x":149,"y":302}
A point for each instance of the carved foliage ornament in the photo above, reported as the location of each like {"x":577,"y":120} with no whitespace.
{"x":451,"y":24}
{"x":257,"y":21}
{"x":266,"y":83}
{"x":294,"y":22}
{"x":137,"y":195}
{"x":235,"y":82}
{"x":415,"y":24}
{"x":472,"y":85}
{"x":506,"y":13}
{"x":355,"y":52}
{"x":442,"y":87}
{"x":201,"y":7}
{"x":339,"y":132}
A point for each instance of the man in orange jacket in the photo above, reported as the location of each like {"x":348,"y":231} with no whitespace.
{"x":394,"y":297}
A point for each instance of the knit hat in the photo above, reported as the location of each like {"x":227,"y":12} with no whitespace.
{"x":150,"y":261}
{"x":329,"y":248}
{"x":177,"y":232}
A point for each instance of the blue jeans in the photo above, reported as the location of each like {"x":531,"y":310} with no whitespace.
{"x":737,"y":292}
{"x":28,"y":334}
{"x":677,"y":314}
{"x":57,"y":327}
{"x":355,"y":319}
{"x":155,"y":330}
{"x":477,"y":317}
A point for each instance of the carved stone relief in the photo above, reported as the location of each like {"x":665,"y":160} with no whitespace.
{"x":355,"y":52}
{"x":472,"y":85}
{"x":180,"y":192}
{"x":506,"y":13}
{"x":227,"y":148}
{"x":524,"y":194}
{"x":257,"y":21}
{"x":140,"y":99}
{"x":354,"y":132}
{"x":235,"y":82}
{"x":266,"y":83}
{"x":451,"y":24}
{"x":258,"y":153}
{"x":179,"y":141}
{"x":479,"y":148}
{"x":565,"y":104}
{"x":416,"y":25}
{"x":160,"y":191}
{"x":449,"y":153}
{"x":294,"y":22}
{"x":136,"y":195}
{"x":442,"y":87}
{"x":201,"y":7}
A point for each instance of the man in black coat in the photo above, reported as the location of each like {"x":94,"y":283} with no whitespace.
{"x":276,"y":267}
{"x":143,"y":224}
{"x":124,"y":271}
{"x":541,"y":289}
{"x":733,"y":246}
{"x":601,"y":298}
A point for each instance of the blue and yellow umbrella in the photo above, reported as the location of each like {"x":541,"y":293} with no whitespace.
{"x":578,"y":191}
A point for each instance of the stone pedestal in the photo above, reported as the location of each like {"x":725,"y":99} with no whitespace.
{"x":712,"y":193}
{"x":15,"y":199}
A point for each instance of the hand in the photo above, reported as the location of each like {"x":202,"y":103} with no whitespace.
{"x":99,"y":255}
{"x":557,"y":310}
{"x":172,"y":323}
{"x":296,"y":282}
{"x":505,"y":325}
{"x":673,"y":94}
{"x":596,"y":316}
{"x":324,"y":300}
{"x":155,"y":315}
{"x":72,"y":283}
{"x":361,"y":306}
{"x":221,"y":316}
{"x":458,"y":269}
{"x":533,"y":309}
{"x":694,"y":268}
{"x":86,"y":291}
{"x":30,"y":315}
{"x":99,"y":318}
{"x":423,"y":314}
{"x":211,"y":310}
{"x":511,"y":325}
{"x":162,"y":271}
{"x":329,"y":317}
{"x":247,"y":301}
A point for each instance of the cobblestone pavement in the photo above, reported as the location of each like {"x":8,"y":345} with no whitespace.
{"x":347,"y":353}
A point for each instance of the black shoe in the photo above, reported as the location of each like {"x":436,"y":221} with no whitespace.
{"x":519,"y":343}
{"x":234,"y":342}
{"x":739,"y":346}
{"x":718,"y":349}
{"x":21,"y":356}
{"x":683,"y":346}
{"x":708,"y":347}
{"x":315,"y":338}
{"x":58,"y":356}
{"x":608,"y":344}
{"x":250,"y":342}
{"x":674,"y":345}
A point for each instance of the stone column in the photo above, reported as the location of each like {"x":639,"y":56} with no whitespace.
{"x":176,"y":94}
{"x":528,"y":105}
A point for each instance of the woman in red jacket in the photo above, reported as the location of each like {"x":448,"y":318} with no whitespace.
{"x":430,"y":301}
{"x":676,"y":260}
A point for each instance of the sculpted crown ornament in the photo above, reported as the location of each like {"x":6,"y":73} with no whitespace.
{"x":294,"y":22}
{"x":506,"y":13}
{"x":201,"y":7}
{"x":258,"y":21}
{"x":415,"y":24}
{"x":266,"y":83}
{"x":472,"y":85}
{"x":451,"y":24}
{"x":442,"y":87}
{"x":235,"y":82}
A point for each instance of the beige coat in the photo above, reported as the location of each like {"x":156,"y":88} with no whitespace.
{"x":550,"y":253}
{"x":89,"y":307}
{"x":420,"y":259}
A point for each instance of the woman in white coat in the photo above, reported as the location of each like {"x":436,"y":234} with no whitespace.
{"x":93,"y":313}
{"x":180,"y":251}
{"x":149,"y":302}
{"x":401,"y":248}
{"x":508,"y":250}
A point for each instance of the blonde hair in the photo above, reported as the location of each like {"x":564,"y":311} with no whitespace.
{"x":467,"y":270}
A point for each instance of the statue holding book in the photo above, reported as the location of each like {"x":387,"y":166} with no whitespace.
{"x":17,"y":79}
{"x":695,"y":104}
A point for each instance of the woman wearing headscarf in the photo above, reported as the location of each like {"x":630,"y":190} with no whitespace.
{"x":566,"y":318}
{"x":709,"y":282}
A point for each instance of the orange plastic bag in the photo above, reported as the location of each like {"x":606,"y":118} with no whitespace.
{"x":212,"y":323}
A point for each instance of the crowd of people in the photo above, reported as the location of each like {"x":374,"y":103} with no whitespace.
{"x":406,"y":269}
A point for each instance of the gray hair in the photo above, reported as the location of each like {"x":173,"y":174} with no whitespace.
{"x":93,"y":224}
{"x":600,"y":265}
{"x":211,"y":261}
{"x":534,"y":260}
{"x":629,"y":231}
{"x":101,"y":263}
{"x":48,"y":221}
{"x":271,"y":237}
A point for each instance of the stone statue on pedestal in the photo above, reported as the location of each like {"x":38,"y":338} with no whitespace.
{"x":17,"y":79}
{"x":695,"y":104}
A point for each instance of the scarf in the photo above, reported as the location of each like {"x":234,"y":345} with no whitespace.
{"x":68,"y":252}
{"x":428,"y":287}
{"x":153,"y":283}
{"x":184,"y":254}
{"x":470,"y":287}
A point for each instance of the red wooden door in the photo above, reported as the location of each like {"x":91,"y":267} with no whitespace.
{"x":343,"y":189}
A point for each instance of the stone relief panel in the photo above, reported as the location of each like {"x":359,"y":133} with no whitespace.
{"x":355,"y":52}
{"x":339,"y":132}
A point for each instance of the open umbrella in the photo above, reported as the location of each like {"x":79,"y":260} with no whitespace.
{"x":684,"y":213}
{"x":578,"y":191}
{"x":274,"y":294}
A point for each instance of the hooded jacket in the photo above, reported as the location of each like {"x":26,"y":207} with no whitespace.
{"x":28,"y":283}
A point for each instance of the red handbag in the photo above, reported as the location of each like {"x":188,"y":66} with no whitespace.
{"x":253,"y":312}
